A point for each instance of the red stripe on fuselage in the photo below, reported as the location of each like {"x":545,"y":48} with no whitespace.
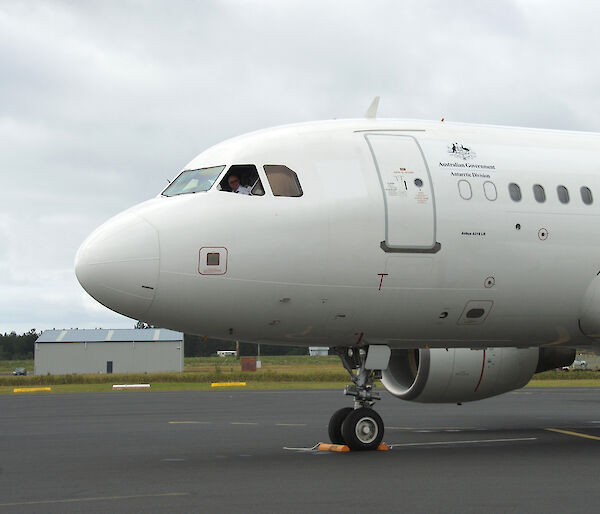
{"x":482,"y":370}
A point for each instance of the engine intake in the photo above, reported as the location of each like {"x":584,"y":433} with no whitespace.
{"x":462,"y":375}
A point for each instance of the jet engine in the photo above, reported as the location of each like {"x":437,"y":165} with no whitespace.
{"x":462,"y":375}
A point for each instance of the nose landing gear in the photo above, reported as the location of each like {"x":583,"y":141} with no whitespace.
{"x":361,"y":428}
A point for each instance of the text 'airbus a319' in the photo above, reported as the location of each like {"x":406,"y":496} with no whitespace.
{"x":451,"y":261}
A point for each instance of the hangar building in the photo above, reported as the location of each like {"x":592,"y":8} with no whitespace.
{"x":63,"y":352}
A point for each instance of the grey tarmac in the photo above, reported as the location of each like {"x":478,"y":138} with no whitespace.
{"x":533,"y":450}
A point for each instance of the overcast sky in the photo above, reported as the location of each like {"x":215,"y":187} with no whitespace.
{"x":101,"y":102}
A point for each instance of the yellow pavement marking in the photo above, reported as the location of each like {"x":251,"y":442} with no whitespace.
{"x":242,"y":423}
{"x":31,"y":389}
{"x":576,"y":434}
{"x":92,"y":499}
{"x":290,"y":424}
{"x":190,"y":422}
{"x":227,"y":384}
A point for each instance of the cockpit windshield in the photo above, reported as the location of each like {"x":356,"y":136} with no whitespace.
{"x":193,"y":181}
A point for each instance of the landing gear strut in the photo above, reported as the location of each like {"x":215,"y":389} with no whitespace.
{"x":361,"y":428}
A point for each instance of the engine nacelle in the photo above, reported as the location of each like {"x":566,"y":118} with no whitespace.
{"x":463,"y":375}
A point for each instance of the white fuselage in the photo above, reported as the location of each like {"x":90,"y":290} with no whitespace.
{"x":405,"y":235}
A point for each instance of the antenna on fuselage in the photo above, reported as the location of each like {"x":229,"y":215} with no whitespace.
{"x":372,"y":110}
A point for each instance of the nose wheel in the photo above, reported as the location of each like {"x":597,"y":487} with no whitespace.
{"x":361,"y":428}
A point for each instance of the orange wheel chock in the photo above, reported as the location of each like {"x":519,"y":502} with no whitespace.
{"x":326,"y":447}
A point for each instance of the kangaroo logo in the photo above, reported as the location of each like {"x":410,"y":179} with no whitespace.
{"x":460,"y":150}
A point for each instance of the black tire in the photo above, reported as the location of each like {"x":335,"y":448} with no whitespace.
{"x":335,"y":425}
{"x":363,"y":429}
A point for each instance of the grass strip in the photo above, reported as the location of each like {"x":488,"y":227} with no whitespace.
{"x":187,"y":377}
{"x":565,"y":383}
{"x":291,"y":362}
{"x":567,"y":375}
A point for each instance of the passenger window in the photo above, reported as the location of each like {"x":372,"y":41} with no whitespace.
{"x":514,"y":191}
{"x":563,"y":194}
{"x":586,"y":195}
{"x":464,"y":189}
{"x":283,"y":181}
{"x":489,"y":189}
{"x":242,"y":179}
{"x":539,"y":193}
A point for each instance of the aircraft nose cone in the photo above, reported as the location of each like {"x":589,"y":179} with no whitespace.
{"x":118,"y":264}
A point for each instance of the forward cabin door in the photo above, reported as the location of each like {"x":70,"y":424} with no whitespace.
{"x":407,"y":193}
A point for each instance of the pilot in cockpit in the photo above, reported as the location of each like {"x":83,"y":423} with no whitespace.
{"x":236,"y":185}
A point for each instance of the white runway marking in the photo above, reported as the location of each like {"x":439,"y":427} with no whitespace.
{"x":437,"y":429}
{"x":434,"y":443}
{"x":92,"y":499}
{"x":312,"y":448}
{"x":474,"y":441}
{"x":190,"y":422}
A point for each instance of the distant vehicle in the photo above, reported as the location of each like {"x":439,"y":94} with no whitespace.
{"x":226,"y":353}
{"x":576,"y":366}
{"x":20,"y":371}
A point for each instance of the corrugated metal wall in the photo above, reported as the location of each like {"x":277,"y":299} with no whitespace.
{"x":91,"y":357}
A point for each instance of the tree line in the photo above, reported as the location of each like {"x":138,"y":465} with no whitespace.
{"x":18,"y":347}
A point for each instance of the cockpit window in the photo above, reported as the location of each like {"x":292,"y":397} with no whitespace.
{"x":193,"y":181}
{"x":283,"y":181}
{"x":258,"y":189}
{"x":242,"y":179}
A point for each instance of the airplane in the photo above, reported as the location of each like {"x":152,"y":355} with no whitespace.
{"x":450,"y":261}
